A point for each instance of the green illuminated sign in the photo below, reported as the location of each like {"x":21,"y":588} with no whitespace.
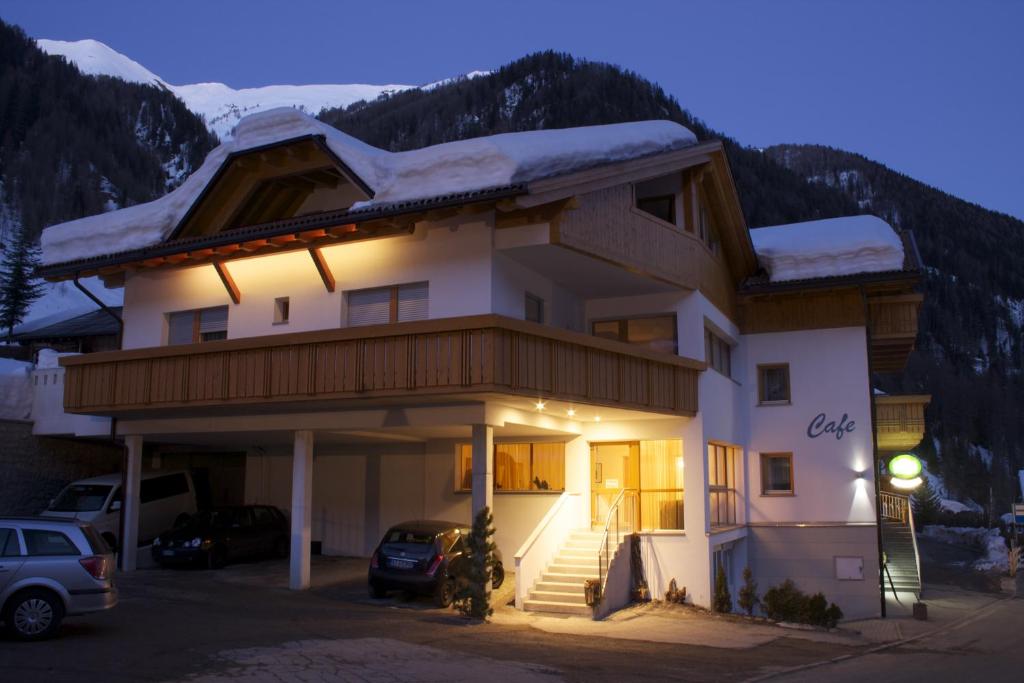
{"x":905,"y":466}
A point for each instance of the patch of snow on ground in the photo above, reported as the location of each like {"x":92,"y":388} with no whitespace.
{"x":15,"y":389}
{"x":449,"y":168}
{"x":828,"y":248}
{"x":989,"y":541}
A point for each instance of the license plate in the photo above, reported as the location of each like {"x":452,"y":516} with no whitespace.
{"x":168,"y":553}
{"x":401,"y":564}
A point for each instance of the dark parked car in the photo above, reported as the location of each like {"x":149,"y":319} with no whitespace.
{"x":220,"y":535}
{"x":424,"y":558}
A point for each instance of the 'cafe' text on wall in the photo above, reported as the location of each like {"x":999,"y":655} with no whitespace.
{"x":822,"y":425}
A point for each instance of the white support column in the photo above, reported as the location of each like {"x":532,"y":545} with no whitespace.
{"x":483,"y":468}
{"x":302,"y":509}
{"x":130,"y":503}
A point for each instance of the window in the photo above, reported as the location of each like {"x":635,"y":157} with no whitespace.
{"x":42,"y":542}
{"x":777,"y":474}
{"x":657,"y":197}
{"x":773,"y":383}
{"x":200,"y":325}
{"x":9,"y":546}
{"x":717,"y":353}
{"x":534,"y":308}
{"x":707,"y":230}
{"x":384,"y":305}
{"x":281,"y":310}
{"x":722,"y":484}
{"x":517,"y":467}
{"x":159,"y":488}
{"x":661,"y":484}
{"x":657,"y":332}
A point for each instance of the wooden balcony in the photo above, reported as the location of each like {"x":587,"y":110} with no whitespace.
{"x":452,"y":358}
{"x":893,"y":324}
{"x":900,"y":421}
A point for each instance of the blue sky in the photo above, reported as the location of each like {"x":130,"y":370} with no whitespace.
{"x":932,"y":88}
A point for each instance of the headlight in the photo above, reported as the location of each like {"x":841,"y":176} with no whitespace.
{"x":156,"y":541}
{"x":195,"y":542}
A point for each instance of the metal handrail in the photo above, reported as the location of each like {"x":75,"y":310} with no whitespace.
{"x":622,"y":520}
{"x":917,"y":555}
{"x":894,"y":506}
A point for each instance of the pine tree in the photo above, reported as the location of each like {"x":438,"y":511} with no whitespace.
{"x":723,"y":599}
{"x":18,"y":285}
{"x":473,"y":597}
{"x":748,"y":599}
{"x":927,"y":504}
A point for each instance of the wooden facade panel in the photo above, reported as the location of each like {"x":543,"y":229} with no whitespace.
{"x":521,"y":358}
{"x":801,"y":311}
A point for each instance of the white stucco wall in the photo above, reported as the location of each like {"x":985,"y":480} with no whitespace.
{"x":828,"y":374}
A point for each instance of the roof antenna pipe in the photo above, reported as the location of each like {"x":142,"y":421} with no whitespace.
{"x":106,"y":309}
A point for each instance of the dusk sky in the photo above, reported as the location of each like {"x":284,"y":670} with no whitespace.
{"x":933,"y":89}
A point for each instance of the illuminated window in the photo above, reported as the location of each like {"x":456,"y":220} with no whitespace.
{"x":655,"y":332}
{"x":661,"y":484}
{"x":200,"y":325}
{"x":383,"y":305}
{"x":517,"y":467}
{"x":777,"y":474}
{"x":722,"y":484}
{"x":281,"y":310}
{"x":773,"y":383}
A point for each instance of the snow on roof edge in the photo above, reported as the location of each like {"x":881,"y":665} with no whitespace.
{"x":395,"y":177}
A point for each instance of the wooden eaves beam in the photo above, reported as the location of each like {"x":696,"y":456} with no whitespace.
{"x":229,"y":282}
{"x":323,"y":268}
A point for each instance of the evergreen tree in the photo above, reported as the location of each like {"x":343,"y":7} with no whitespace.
{"x":927,"y":504}
{"x":473,"y":596}
{"x":748,"y":598}
{"x":723,"y":599}
{"x":19,"y":286}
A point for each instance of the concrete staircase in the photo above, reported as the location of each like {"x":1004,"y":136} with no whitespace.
{"x":901,"y":554}
{"x":560,"y":587}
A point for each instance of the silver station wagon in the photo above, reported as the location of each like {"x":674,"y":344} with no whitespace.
{"x":50,"y":569}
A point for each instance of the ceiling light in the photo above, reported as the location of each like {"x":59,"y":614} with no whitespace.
{"x":540,"y":405}
{"x":597,"y":418}
{"x":571,"y":412}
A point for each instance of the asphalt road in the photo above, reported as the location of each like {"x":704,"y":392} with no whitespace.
{"x":988,"y":646}
{"x":237,"y":624}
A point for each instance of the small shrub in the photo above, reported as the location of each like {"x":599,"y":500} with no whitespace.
{"x":723,"y":600}
{"x":786,"y":602}
{"x":472,"y":597}
{"x":748,"y":598}
{"x":675,"y":594}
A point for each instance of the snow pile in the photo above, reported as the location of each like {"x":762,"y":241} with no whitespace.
{"x":62,"y":301}
{"x":15,"y":389}
{"x":453,"y":167}
{"x":828,"y":248}
{"x":988,"y":541}
{"x":222,"y":106}
{"x":48,"y":359}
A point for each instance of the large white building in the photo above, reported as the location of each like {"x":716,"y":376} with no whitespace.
{"x":571,"y":327}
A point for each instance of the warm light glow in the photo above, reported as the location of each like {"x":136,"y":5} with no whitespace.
{"x":906,"y":484}
{"x":679,"y":462}
{"x":597,"y":418}
{"x":571,"y":412}
{"x":905,"y":466}
{"x":540,"y":405}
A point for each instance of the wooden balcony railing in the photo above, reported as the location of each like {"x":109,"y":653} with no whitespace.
{"x":900,"y":421}
{"x":895,"y":506}
{"x":455,"y":356}
{"x":893,"y":325}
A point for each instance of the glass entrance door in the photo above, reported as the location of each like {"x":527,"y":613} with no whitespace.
{"x":613,"y":467}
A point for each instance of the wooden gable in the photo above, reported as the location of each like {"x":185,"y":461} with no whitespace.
{"x":285,"y":180}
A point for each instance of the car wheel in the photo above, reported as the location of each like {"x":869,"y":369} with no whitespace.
{"x":376,"y":592}
{"x":33,"y":614}
{"x":497,"y":576}
{"x":281,"y":547}
{"x":215,"y":558}
{"x":444,"y":594}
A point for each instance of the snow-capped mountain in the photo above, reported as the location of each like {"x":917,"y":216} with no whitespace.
{"x":220,"y":105}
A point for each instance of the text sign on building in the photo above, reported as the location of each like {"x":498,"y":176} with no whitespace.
{"x":821,"y":424}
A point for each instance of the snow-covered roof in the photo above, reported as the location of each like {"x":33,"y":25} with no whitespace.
{"x":828,"y":248}
{"x":450,"y":168}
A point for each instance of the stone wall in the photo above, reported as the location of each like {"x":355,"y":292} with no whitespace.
{"x":33,"y":469}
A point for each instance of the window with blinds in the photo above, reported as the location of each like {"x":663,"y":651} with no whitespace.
{"x":199,"y":325}
{"x":383,"y":305}
{"x":517,"y":467}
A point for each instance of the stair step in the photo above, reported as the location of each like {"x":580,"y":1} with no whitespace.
{"x":559,"y":586}
{"x":576,"y":560}
{"x":577,"y":598}
{"x":582,"y":545}
{"x":573,"y":578}
{"x":557,"y":607}
{"x":578,"y":552}
{"x":558,"y":568}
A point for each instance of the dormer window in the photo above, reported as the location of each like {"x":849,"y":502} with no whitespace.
{"x":659,"y":197}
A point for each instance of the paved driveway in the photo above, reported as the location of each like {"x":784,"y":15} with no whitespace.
{"x":241,"y":623}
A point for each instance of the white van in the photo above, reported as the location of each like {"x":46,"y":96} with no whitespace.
{"x":167,"y":498}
